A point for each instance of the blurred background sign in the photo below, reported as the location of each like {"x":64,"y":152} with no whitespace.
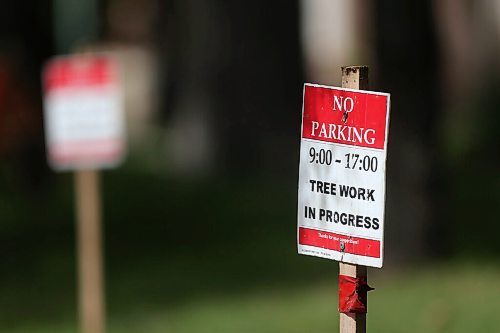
{"x":85,"y":132}
{"x":83,"y":112}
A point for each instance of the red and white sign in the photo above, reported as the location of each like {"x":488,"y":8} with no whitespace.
{"x":83,"y":112}
{"x":342,"y":174}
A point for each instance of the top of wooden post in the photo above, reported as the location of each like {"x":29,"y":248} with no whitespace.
{"x":355,"y":77}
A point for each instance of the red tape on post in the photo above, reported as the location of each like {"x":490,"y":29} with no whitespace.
{"x":353,"y":294}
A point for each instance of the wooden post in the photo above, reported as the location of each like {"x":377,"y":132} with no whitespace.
{"x":91,"y":300}
{"x":353,"y":77}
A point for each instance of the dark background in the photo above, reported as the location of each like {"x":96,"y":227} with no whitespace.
{"x":210,"y":208}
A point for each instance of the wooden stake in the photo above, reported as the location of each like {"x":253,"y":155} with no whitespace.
{"x":91,"y":300}
{"x":353,"y":77}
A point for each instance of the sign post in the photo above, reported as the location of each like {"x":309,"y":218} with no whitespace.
{"x":84,"y":133}
{"x":352,"y":322}
{"x":89,"y":225}
{"x":342,"y":184}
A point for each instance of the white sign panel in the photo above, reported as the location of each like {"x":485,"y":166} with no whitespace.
{"x":342,"y":174}
{"x":83,"y":111}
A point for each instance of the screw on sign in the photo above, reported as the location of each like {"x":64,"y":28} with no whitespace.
{"x":341,"y":199}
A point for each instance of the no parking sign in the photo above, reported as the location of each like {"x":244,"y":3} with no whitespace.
{"x":342,"y":174}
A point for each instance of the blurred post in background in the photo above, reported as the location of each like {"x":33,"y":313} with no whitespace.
{"x":91,"y":300}
{"x":85,"y":133}
{"x":76,"y":24}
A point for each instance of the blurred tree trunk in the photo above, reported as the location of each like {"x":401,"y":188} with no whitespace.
{"x":406,"y":56}
{"x":336,"y":34}
{"x":469,"y":41}
{"x":233,"y":77}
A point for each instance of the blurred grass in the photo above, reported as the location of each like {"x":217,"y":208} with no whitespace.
{"x":450,"y":298}
{"x":213,"y":256}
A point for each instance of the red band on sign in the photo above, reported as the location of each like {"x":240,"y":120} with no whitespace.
{"x":325,"y":109}
{"x":353,"y":294}
{"x":331,"y":241}
{"x":79,"y":72}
